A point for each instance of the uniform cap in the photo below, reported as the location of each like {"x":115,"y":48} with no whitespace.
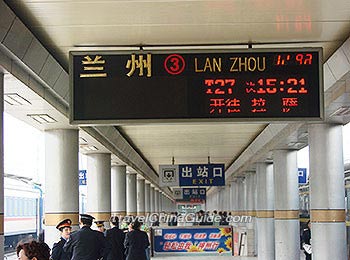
{"x":99,"y":223}
{"x":87,"y":217}
{"x":64,"y":223}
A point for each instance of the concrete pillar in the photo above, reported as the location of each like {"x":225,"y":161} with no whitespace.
{"x":140,"y":197}
{"x":161,"y":202}
{"x":327,"y":204}
{"x":99,"y":186}
{"x":224,"y":197}
{"x":156,"y":200}
{"x":287,"y":233}
{"x":118,"y":190}
{"x":131,"y":201}
{"x":1,"y":165}
{"x":61,"y":180}
{"x":234,"y":198}
{"x":152,"y":200}
{"x":241,"y":196}
{"x":251,"y":191}
{"x":147,"y":198}
{"x":265,"y":212}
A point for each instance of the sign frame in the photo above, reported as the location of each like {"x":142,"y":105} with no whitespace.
{"x":93,"y":122}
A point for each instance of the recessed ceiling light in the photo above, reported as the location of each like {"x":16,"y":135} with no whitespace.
{"x":43,"y":118}
{"x":14,"y":99}
{"x":341,"y":111}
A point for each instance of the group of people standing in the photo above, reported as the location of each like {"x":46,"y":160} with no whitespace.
{"x":89,"y":244}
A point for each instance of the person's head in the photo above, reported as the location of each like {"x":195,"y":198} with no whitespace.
{"x":308,"y":224}
{"x":100,"y":226}
{"x":114,"y":220}
{"x":135,"y":225}
{"x":33,"y":250}
{"x":65,"y":228}
{"x":86,"y":220}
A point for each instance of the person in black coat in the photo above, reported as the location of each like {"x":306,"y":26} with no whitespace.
{"x":115,"y":238}
{"x":136,"y":242}
{"x":86,"y":244}
{"x":306,"y":239}
{"x":57,"y":250}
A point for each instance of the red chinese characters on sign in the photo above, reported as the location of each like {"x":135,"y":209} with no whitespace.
{"x":185,"y":236}
{"x":170,"y":236}
{"x":258,"y":105}
{"x":288,"y":103}
{"x":222,"y":98}
{"x":214,"y":235}
{"x":200,"y":236}
{"x":176,"y":245}
{"x":210,"y":245}
{"x":216,"y":88}
{"x":219,"y":104}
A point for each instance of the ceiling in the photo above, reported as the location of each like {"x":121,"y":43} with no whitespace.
{"x":63,"y":25}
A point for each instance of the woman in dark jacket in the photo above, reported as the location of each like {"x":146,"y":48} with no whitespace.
{"x":115,"y":239}
{"x":136,"y":242}
{"x":306,"y":239}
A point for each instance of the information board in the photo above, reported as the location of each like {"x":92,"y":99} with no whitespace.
{"x":193,"y":240}
{"x":252,"y":84}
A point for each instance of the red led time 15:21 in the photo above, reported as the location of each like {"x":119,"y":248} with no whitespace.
{"x":293,"y":59}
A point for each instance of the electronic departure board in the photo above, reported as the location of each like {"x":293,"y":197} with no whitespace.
{"x":244,"y":85}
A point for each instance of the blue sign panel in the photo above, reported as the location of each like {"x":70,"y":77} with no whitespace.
{"x":194,"y":193}
{"x":82,"y":177}
{"x":302,"y":175}
{"x":202,"y":174}
{"x":194,"y":240}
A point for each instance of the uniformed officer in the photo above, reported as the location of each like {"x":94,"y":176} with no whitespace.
{"x":100,"y":226}
{"x":57,"y":250}
{"x":86,"y":244}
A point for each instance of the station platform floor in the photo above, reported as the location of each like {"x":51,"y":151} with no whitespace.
{"x":13,"y":256}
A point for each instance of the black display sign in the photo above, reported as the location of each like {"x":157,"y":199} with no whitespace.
{"x":244,"y":85}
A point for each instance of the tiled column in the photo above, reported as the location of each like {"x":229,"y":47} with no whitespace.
{"x":61,"y":180}
{"x":327,"y":205}
{"x":287,"y":233}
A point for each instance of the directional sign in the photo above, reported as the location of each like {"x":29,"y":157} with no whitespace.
{"x":168,"y":175}
{"x":302,"y":175}
{"x":192,"y":175}
{"x":82,"y":177}
{"x":195,"y":195}
{"x":202,"y":174}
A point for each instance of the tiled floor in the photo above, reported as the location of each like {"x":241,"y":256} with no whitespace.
{"x":221,"y":257}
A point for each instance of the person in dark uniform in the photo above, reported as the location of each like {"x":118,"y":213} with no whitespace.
{"x":306,"y":241}
{"x":136,"y":242}
{"x":115,"y":238}
{"x":86,"y":244}
{"x":100,"y":226}
{"x":57,"y":250}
